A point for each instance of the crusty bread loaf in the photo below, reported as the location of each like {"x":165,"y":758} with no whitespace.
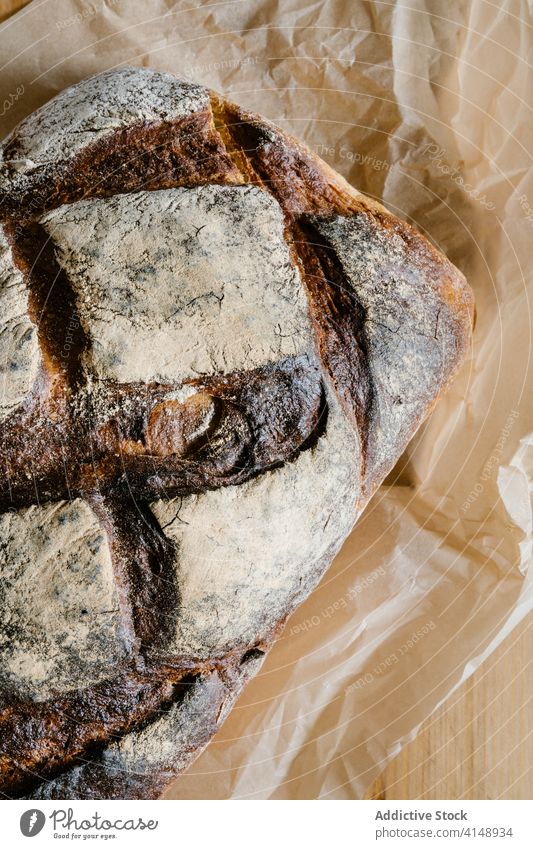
{"x":212,"y":351}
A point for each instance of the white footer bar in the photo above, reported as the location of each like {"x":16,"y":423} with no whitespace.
{"x":268,"y":824}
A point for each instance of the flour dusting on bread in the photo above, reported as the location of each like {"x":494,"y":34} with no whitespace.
{"x":239,"y":571}
{"x":92,"y":109}
{"x":19,"y":349}
{"x":201,"y":277}
{"x":60,"y":626}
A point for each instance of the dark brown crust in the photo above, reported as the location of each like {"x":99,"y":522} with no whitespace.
{"x":142,"y":561}
{"x":49,"y":736}
{"x":52,"y":303}
{"x":104,"y":453}
{"x":118,"y":485}
{"x":338,"y":321}
{"x":185,"y":152}
{"x":307,"y":190}
{"x":90,"y":776}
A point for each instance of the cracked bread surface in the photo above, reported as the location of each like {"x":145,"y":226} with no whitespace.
{"x":218,"y":349}
{"x":53,"y":559}
{"x":147,"y":269}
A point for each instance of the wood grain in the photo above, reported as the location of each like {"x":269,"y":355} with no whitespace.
{"x":479,"y":744}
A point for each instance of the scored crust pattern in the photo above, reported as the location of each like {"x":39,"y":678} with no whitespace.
{"x":331,"y":329}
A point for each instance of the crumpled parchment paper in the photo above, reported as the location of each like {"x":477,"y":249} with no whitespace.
{"x":427,"y":107}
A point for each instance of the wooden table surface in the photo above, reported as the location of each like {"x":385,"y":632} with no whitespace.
{"x":479,"y":744}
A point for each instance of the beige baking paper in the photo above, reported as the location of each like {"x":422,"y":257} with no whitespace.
{"x":427,"y":107}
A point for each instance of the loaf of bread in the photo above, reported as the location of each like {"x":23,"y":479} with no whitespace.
{"x":212,"y":351}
